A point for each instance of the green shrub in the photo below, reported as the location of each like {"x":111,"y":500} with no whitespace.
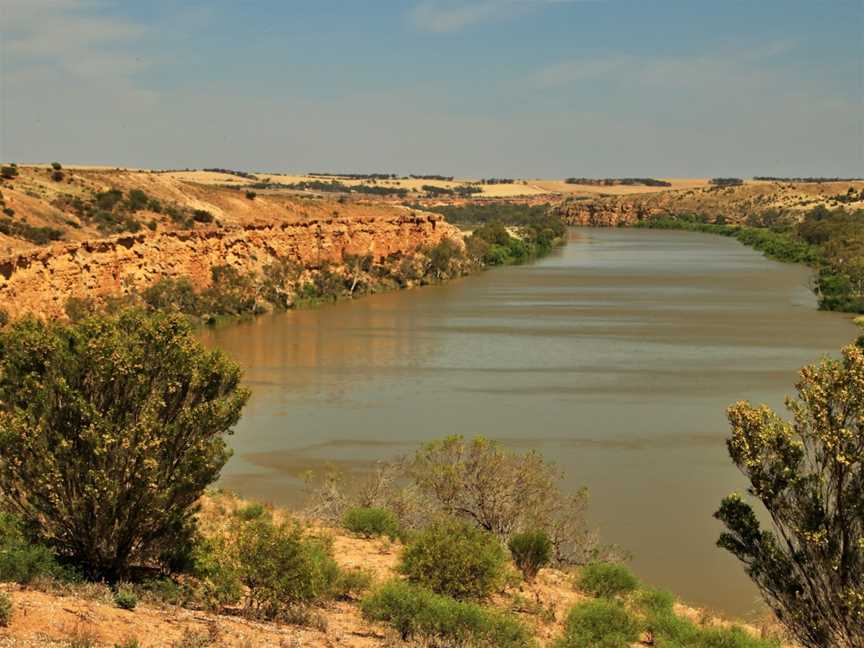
{"x":654,"y":601}
{"x":607,"y":580}
{"x":250,"y":195}
{"x":202,"y":216}
{"x":8,"y":172}
{"x":128,"y":408}
{"x":351,"y":583}
{"x":22,"y":560}
{"x":5,"y":609}
{"x":371,"y":522}
{"x":125,"y":599}
{"x":281,"y":567}
{"x":599,"y":624}
{"x":531,"y":551}
{"x":417,"y":613}
{"x":56,"y":166}
{"x":57,"y":176}
{"x":455,"y":558}
{"x":172,"y":294}
{"x":251,"y":511}
{"x":131,"y":642}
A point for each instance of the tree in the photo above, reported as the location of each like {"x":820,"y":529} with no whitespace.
{"x":809,"y":475}
{"x":110,"y":429}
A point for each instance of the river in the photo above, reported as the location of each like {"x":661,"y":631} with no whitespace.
{"x":615,"y":357}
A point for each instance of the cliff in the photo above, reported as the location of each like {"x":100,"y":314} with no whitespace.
{"x":734,"y":204}
{"x":40,"y":281}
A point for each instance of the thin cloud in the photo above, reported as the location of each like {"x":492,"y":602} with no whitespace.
{"x":440,"y":17}
{"x":726,"y":67}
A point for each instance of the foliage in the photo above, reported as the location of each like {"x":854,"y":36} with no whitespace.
{"x":171,"y":294}
{"x":5,"y":609}
{"x":57,"y":176}
{"x":37,"y":235}
{"x":531,"y":550}
{"x":726,"y":182}
{"x":351,"y":583}
{"x":372,"y":522}
{"x":599,"y":624}
{"x":809,"y":476}
{"x":505,"y":492}
{"x":607,"y":580}
{"x":417,"y":613}
{"x":251,"y":511}
{"x":110,"y":429}
{"x":455,"y":558}
{"x":56,"y":166}
{"x":125,"y":599}
{"x":608,"y":182}
{"x":281,"y":567}
{"x":250,"y":195}
{"x":7,"y":172}
{"x":21,"y":559}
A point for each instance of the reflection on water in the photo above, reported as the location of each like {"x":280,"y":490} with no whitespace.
{"x":616,"y":357}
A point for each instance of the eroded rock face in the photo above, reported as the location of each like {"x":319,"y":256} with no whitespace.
{"x":606,"y":211}
{"x":41,"y":281}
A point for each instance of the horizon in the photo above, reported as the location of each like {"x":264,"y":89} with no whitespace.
{"x":482,"y":88}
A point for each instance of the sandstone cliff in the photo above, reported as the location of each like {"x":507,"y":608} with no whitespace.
{"x":733,"y":204}
{"x":40,"y":281}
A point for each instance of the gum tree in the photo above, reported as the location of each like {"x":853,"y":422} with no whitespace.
{"x":808,"y":474}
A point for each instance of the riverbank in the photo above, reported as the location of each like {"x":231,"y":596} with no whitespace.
{"x":47,"y":613}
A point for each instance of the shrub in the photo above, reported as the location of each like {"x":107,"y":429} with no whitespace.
{"x":531,"y":550}
{"x":125,"y":599}
{"x":250,"y":195}
{"x":281,"y":567}
{"x":350,"y":583}
{"x":654,"y":601}
{"x":440,"y":620}
{"x":607,"y":580}
{"x":455,"y":558}
{"x":107,"y":411}
{"x":4,"y":317}
{"x":22,"y":560}
{"x":57,"y":176}
{"x":56,"y":166}
{"x":251,"y":511}
{"x":8,"y":172}
{"x":131,"y":642}
{"x":599,"y":624}
{"x":172,"y":294}
{"x":809,"y":475}
{"x":371,"y":522}
{"x":202,"y":216}
{"x":5,"y":609}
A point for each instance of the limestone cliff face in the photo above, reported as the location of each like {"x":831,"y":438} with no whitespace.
{"x":41,"y":281}
{"x":605,"y":211}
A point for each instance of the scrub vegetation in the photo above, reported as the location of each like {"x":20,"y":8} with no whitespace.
{"x":113,"y":427}
{"x":831,"y":241}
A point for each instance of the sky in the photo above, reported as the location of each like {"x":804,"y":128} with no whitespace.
{"x":473,"y":88}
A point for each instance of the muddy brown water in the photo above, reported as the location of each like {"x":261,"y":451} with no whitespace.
{"x":615,"y":357}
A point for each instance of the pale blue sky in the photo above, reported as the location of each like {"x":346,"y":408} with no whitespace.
{"x":527,"y":88}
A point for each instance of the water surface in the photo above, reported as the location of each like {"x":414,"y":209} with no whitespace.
{"x":615,"y":357}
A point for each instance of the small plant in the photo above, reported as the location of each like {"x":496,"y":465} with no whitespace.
{"x":351,"y":583}
{"x":130,"y":642}
{"x":531,"y":551}
{"x":56,"y":166}
{"x":57,"y":176}
{"x":202,"y":216}
{"x":455,"y":558}
{"x":371,"y":522}
{"x":607,"y":580}
{"x":434,"y":619}
{"x":7,"y":172}
{"x":599,"y":624}
{"x":125,"y":599}
{"x":251,"y":512}
{"x":250,"y":195}
{"x":83,"y":636}
{"x":5,"y":609}
{"x":21,"y":561}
